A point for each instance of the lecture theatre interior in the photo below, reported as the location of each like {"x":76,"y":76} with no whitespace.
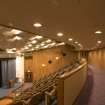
{"x":52,"y":52}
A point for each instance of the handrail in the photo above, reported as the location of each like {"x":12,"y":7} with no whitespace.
{"x":70,"y":84}
{"x":73,"y":71}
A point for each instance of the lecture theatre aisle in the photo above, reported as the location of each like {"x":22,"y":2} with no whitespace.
{"x":94,"y":89}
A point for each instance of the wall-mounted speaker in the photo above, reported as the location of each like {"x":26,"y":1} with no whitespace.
{"x":50,"y":61}
{"x":64,"y":54}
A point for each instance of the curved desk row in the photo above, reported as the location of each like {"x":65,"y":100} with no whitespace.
{"x":70,"y":85}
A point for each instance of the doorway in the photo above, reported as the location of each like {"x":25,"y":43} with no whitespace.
{"x":7,"y":71}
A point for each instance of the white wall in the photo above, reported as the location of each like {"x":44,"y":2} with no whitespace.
{"x":20,"y":67}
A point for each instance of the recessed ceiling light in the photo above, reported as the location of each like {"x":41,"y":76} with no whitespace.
{"x":52,"y":44}
{"x":99,"y":42}
{"x":9,"y":51}
{"x":59,"y":34}
{"x":26,"y":47}
{"x":13,"y":48}
{"x":60,"y":44}
{"x":42,"y":44}
{"x":15,"y":31}
{"x":36,"y":37}
{"x":17,"y":38}
{"x":30,"y":45}
{"x":37,"y":25}
{"x":37,"y":47}
{"x":79,"y":44}
{"x":39,"y":37}
{"x":12,"y":32}
{"x":70,"y":39}
{"x":98,"y":32}
{"x":45,"y":46}
{"x":76,"y":42}
{"x":32,"y":49}
{"x":48,"y":41}
{"x":34,"y":42}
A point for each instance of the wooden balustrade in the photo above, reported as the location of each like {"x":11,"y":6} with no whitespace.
{"x":70,"y":85}
{"x":58,"y":79}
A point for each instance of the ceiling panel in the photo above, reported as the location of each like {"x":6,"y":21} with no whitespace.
{"x":77,"y":19}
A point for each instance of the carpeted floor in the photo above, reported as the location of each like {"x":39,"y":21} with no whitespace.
{"x":6,"y":101}
{"x":93,"y":92}
{"x":4,"y":92}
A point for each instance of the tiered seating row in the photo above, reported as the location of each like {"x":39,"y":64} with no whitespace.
{"x":36,"y":94}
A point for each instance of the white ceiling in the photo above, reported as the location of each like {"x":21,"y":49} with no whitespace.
{"x":77,"y":19}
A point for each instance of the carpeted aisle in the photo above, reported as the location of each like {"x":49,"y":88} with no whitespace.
{"x":93,"y":92}
{"x":4,"y":92}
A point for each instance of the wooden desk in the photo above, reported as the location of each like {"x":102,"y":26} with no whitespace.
{"x":6,"y":101}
